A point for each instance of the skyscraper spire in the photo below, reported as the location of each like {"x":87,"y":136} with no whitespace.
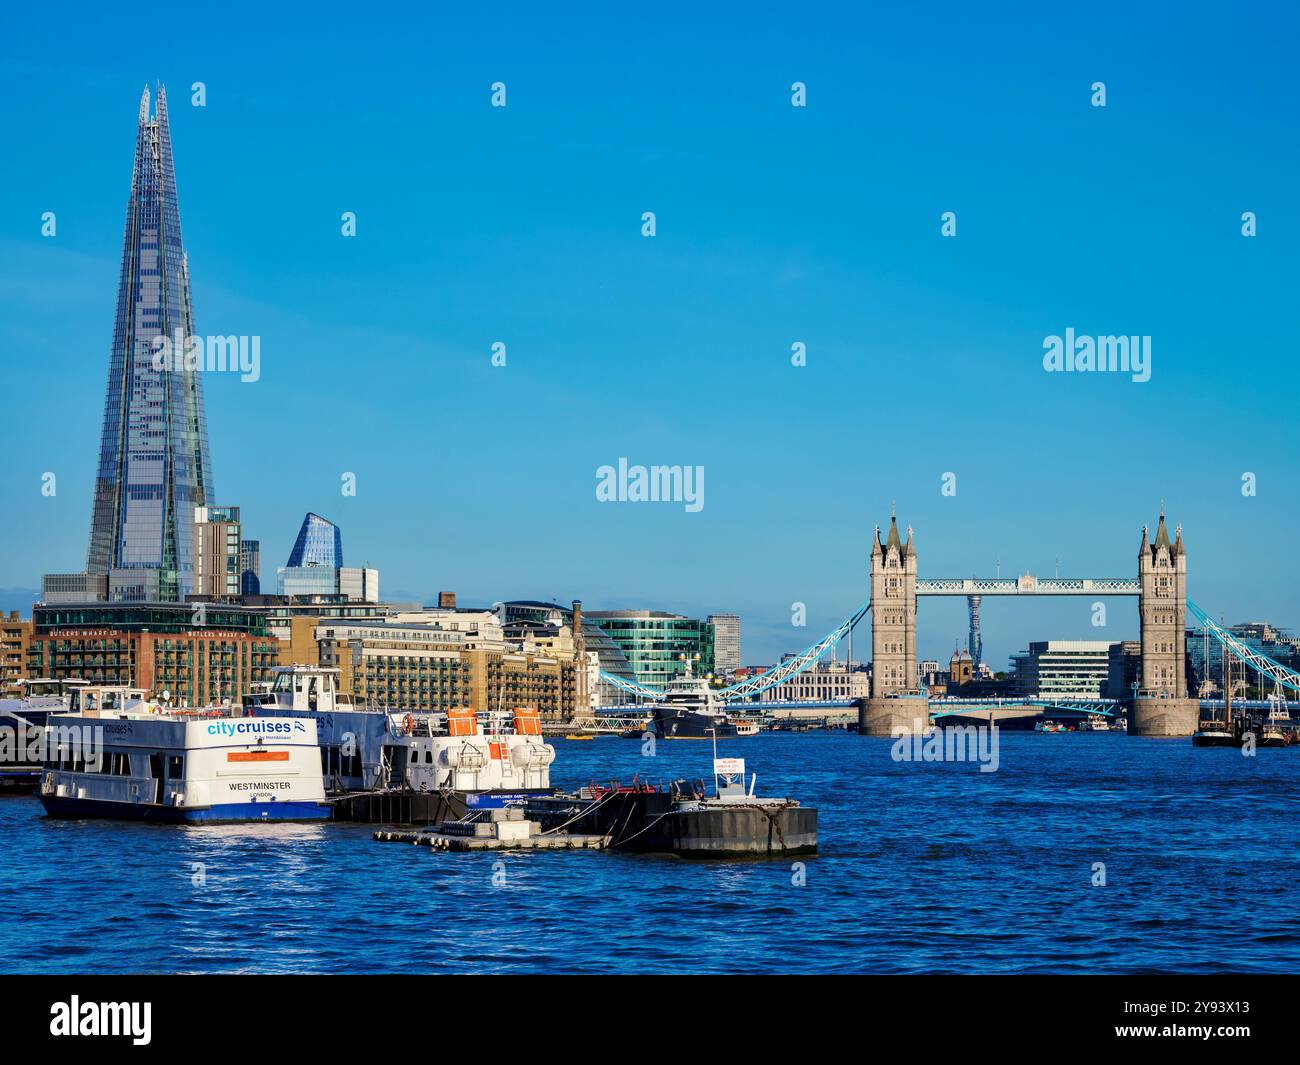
{"x":153,"y":455}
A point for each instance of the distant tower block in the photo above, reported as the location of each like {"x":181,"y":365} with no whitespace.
{"x":976,"y":647}
{"x":1162,"y":707}
{"x":895,"y":701}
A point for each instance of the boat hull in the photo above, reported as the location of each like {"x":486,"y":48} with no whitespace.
{"x":68,"y":808}
{"x":652,"y":822}
{"x":1213,"y":739}
{"x":424,"y":807}
{"x":741,"y":832}
{"x":677,"y":723}
{"x":19,"y":782}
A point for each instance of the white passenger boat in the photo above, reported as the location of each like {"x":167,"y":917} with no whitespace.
{"x":114,"y":754}
{"x":22,"y":721}
{"x":480,"y":754}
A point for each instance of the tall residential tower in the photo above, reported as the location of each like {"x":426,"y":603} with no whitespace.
{"x":153,"y":452}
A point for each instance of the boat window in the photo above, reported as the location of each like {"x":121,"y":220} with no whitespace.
{"x":156,"y":765}
{"x":175,"y":766}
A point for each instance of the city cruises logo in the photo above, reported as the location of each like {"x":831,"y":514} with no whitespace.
{"x":255,"y":728}
{"x":212,"y":354}
{"x":955,"y":743}
{"x":1108,"y":354}
{"x":651,"y":484}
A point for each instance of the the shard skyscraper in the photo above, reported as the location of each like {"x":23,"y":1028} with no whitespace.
{"x":153,"y":453}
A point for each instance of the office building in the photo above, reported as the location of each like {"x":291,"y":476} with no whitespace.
{"x":216,"y":552}
{"x":726,"y":643}
{"x":15,"y":635}
{"x":831,"y":681}
{"x":1123,"y":670}
{"x":153,"y":458}
{"x":434,"y":660}
{"x":315,"y":566}
{"x":250,"y":563}
{"x":611,"y":661}
{"x":319,"y":543}
{"x":74,"y":587}
{"x":657,"y":645}
{"x":1067,"y":669}
{"x":198,"y":653}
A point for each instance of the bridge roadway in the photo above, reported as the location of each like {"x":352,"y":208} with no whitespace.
{"x":1028,"y":584}
{"x":617,"y":718}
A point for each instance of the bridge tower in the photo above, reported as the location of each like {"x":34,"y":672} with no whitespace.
{"x":1162,"y":707}
{"x":895,"y":701}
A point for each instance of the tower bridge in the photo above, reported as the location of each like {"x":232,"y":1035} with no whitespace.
{"x":1162,"y":706}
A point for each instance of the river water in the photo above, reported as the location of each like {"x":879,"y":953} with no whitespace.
{"x":923,"y":866}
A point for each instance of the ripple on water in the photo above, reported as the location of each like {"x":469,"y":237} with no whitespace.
{"x":923,"y":867}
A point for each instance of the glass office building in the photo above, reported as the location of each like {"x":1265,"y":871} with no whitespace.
{"x":319,"y":543}
{"x":153,"y":455}
{"x":610,"y":656}
{"x":654,"y":643}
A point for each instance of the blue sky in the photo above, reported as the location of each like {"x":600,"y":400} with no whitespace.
{"x":775,"y":224}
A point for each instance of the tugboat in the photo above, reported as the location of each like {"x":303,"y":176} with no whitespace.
{"x":1276,"y":728}
{"x":691,"y":710}
{"x":1212,"y":732}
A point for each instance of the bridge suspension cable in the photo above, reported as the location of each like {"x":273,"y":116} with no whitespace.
{"x":787,"y":670}
{"x":1262,"y":664}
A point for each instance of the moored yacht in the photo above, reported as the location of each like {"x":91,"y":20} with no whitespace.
{"x":691,"y":710}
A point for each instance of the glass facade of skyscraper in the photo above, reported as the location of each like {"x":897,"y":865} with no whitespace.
{"x":656,"y":644}
{"x":153,"y":456}
{"x":319,"y":543}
